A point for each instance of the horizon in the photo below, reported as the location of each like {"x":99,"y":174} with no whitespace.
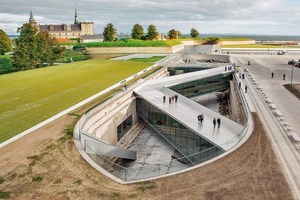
{"x":249,"y":17}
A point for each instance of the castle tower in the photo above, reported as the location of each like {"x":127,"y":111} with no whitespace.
{"x":32,"y":21}
{"x":31,"y":18}
{"x":76,"y":21}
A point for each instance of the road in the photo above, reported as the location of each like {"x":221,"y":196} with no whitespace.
{"x":260,"y":69}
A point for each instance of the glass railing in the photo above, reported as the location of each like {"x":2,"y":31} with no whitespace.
{"x":141,"y":171}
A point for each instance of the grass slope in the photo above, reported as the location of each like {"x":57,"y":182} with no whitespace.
{"x":131,"y":43}
{"x":29,"y":97}
{"x":151,"y":59}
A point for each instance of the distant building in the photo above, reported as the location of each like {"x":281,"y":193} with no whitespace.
{"x":75,"y":30}
{"x":91,"y":38}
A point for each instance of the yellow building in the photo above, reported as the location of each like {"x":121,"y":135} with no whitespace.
{"x":75,"y":30}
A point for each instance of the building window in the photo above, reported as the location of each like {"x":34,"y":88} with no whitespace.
{"x":195,"y":147}
{"x":124,"y":127}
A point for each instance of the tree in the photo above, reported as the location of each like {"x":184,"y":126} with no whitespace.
{"x":109,"y":33}
{"x":194,"y":33}
{"x":25,"y":56}
{"x":174,"y":34}
{"x":137,"y":32}
{"x":5,"y":43}
{"x":152,"y":33}
{"x":47,"y":49}
{"x":35,"y":49}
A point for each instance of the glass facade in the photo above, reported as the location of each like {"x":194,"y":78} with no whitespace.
{"x":187,"y":142}
{"x":182,"y":70}
{"x":124,"y":127}
{"x":203,"y":86}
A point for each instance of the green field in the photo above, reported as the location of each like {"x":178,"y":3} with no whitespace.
{"x":150,"y":59}
{"x":30,"y":97}
{"x":131,"y":43}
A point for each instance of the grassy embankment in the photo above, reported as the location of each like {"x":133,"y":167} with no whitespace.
{"x":131,"y":43}
{"x":150,"y":59}
{"x":29,"y":97}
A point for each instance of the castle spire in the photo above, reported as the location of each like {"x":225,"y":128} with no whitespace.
{"x":31,"y":18}
{"x":32,"y":21}
{"x":76,"y":21}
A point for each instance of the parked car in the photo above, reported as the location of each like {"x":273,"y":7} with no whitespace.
{"x":291,"y":62}
{"x":282,"y":52}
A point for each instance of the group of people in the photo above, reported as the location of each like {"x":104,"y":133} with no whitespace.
{"x":283,"y":76}
{"x":229,"y":68}
{"x":200,"y":118}
{"x":172,"y":99}
{"x":186,"y":60}
{"x":240,"y":85}
{"x":217,"y":121}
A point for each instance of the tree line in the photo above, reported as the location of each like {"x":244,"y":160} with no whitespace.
{"x":138,"y":33}
{"x":35,"y":49}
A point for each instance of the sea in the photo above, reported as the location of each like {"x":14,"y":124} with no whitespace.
{"x":254,"y":37}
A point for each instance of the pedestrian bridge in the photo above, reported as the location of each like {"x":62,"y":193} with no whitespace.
{"x":177,"y":121}
{"x":101,"y":137}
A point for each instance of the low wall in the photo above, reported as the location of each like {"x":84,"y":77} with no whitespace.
{"x":236,"y":42}
{"x":103,"y":124}
{"x":134,"y":50}
{"x":219,"y":58}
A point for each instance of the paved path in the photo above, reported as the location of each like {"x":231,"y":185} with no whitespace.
{"x":261,"y":68}
{"x":186,"y":111}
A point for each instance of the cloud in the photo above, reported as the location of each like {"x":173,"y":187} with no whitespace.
{"x":205,"y":15}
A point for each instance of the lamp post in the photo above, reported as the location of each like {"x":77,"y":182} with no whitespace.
{"x":292,"y":74}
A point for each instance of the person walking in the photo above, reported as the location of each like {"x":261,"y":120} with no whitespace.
{"x":283,"y":76}
{"x":199,"y":119}
{"x":170,"y":100}
{"x":272,"y":75}
{"x":176,"y":97}
{"x":219,"y":122}
{"x":246,"y":88}
{"x":164,"y":99}
{"x":214,"y":122}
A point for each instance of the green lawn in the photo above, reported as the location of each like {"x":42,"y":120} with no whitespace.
{"x":150,"y":59}
{"x":29,"y":97}
{"x":131,"y":43}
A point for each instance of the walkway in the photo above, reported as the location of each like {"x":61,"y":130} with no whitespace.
{"x":286,"y":149}
{"x":186,"y":110}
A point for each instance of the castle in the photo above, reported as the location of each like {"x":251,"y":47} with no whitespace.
{"x":75,"y":30}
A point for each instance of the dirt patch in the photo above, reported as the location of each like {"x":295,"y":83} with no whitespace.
{"x":46,"y":165}
{"x":294,"y":89}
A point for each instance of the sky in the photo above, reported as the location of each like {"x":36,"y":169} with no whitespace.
{"x":271,"y":17}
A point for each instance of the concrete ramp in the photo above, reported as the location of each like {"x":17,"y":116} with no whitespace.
{"x":102,"y":148}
